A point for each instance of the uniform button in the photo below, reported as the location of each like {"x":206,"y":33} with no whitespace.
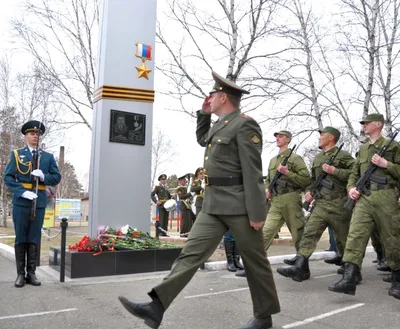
{"x":226,"y":122}
{"x":209,"y":145}
{"x":206,"y":158}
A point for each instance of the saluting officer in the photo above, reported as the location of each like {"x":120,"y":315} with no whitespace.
{"x":19,"y":176}
{"x":380,"y":208}
{"x":234,"y":199}
{"x":328,"y":209}
{"x":160,"y":195}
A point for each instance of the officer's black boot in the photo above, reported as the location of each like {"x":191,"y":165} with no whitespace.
{"x":229,"y":245}
{"x":152,"y":313}
{"x":382,"y":266}
{"x":290,"y":261}
{"x":337,"y":260}
{"x":20,"y":262}
{"x":31,"y":265}
{"x":255,"y":323}
{"x":347,"y":285}
{"x":394,"y":290}
{"x":236,"y":257}
{"x":299,"y":271}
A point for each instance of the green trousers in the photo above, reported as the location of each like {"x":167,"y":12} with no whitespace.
{"x":285,"y":208}
{"x":326,"y":213}
{"x":380,"y":209}
{"x":204,"y":238}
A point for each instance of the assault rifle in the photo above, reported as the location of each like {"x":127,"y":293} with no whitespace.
{"x":276,"y":180}
{"x":362,"y":183}
{"x":320,"y":181}
{"x":35,"y":182}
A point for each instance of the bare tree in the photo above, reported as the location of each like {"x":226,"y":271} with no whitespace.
{"x":161,"y":153}
{"x":71,"y":187}
{"x":59,"y":36}
{"x":230,"y":40}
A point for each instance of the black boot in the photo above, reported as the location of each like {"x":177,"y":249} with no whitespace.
{"x":299,"y":271}
{"x":382,"y":266}
{"x":241,"y":273}
{"x":236,"y":257}
{"x":152,"y":313}
{"x":341,"y":270}
{"x":254,"y":323}
{"x":347,"y":285}
{"x":387,"y":278}
{"x":290,"y":261}
{"x":358,"y":274}
{"x":394,"y":290}
{"x":20,"y":250}
{"x":337,"y":260}
{"x":229,"y":245}
{"x":31,"y":265}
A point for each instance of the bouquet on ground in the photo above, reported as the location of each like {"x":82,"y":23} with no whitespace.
{"x":126,"y":238}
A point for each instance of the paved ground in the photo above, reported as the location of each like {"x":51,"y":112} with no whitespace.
{"x":213,"y":300}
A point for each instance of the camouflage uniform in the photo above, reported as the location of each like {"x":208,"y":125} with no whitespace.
{"x":286,"y":207}
{"x":328,"y":210}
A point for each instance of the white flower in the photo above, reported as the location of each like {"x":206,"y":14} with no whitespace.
{"x":124,"y":229}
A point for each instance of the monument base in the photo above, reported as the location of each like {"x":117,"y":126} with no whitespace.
{"x":84,"y":264}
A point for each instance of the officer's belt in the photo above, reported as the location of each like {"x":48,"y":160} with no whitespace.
{"x":286,"y":190}
{"x":223,"y":181}
{"x":29,"y":186}
{"x":376,"y":187}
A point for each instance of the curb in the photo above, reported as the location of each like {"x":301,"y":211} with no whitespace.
{"x":7,"y":251}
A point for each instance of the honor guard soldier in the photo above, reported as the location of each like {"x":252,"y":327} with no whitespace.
{"x":234,"y":199}
{"x":159,"y":196}
{"x":285,"y":201}
{"x":377,"y":207}
{"x":329,"y":200}
{"x":198,"y":188}
{"x":28,"y":205}
{"x":185,"y":206}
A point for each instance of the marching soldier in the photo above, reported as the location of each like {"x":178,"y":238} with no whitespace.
{"x":286,"y":207}
{"x":160,"y":195}
{"x":234,"y":199}
{"x":185,"y":199}
{"x":380,"y":208}
{"x":19,"y":176}
{"x":328,"y":207}
{"x":198,"y":188}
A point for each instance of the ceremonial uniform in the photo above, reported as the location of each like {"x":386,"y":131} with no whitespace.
{"x":328,"y":209}
{"x":234,"y":195}
{"x":18,"y":178}
{"x":185,"y":200}
{"x":198,"y":188}
{"x":286,"y":206}
{"x":380,"y":208}
{"x":160,"y":194}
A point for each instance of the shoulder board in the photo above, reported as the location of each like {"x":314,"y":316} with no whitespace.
{"x":245,"y":116}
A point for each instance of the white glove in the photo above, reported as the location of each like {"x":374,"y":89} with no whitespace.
{"x":38,"y":173}
{"x":29,"y":195}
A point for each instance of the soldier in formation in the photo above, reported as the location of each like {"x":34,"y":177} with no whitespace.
{"x":159,"y":196}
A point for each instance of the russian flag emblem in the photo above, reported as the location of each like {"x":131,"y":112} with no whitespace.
{"x":143,"y":51}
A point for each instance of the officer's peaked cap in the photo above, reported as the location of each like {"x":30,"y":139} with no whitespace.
{"x":33,"y":125}
{"x":227,"y":86}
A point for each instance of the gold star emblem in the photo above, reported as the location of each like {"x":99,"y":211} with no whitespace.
{"x":143,"y":71}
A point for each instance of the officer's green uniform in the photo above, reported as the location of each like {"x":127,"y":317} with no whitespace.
{"x":329,"y":209}
{"x":161,"y":193}
{"x":234,"y":195}
{"x":286,"y":207}
{"x":379,"y":208}
{"x":198,"y":189}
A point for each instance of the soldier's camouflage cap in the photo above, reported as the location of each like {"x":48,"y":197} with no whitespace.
{"x":33,"y":125}
{"x":162,"y":176}
{"x":227,"y":86}
{"x":284,"y":133}
{"x":332,"y":131}
{"x":373,"y":117}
